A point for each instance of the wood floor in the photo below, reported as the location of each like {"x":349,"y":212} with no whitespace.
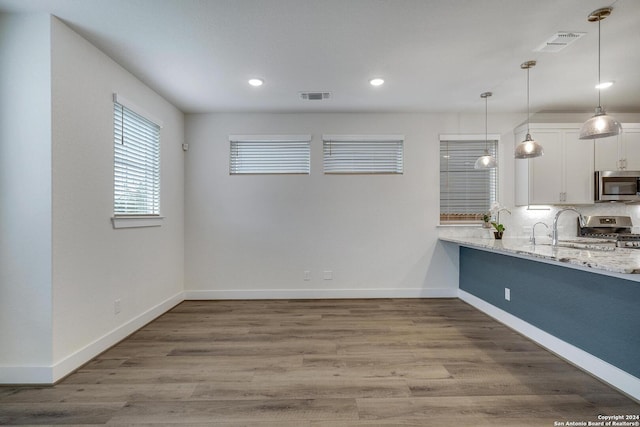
{"x":320,"y":363}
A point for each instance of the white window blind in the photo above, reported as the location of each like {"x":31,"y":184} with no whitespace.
{"x":466,"y":193}
{"x":136,"y":163}
{"x":364,"y":154}
{"x":269,"y":154}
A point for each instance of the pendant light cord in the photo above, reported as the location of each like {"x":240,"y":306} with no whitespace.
{"x":486,"y":136}
{"x":528,"y":117}
{"x":599,"y":89}
{"x":528,"y":65}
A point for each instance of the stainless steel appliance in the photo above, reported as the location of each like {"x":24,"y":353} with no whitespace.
{"x":614,"y":228}
{"x":617,"y":186}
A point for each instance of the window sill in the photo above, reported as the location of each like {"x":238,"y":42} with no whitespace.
{"x":136,"y":221}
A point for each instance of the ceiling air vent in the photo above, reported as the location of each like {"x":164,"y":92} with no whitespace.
{"x":559,"y":41}
{"x":315,"y":96}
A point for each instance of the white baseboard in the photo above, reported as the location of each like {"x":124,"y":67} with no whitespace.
{"x":320,"y":293}
{"x":616,"y":377}
{"x":26,"y":375}
{"x":82,"y":356}
{"x":62,"y":368}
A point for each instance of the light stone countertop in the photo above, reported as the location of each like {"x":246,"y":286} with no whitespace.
{"x":619,"y":260}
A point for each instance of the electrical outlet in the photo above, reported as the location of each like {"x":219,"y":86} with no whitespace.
{"x":307,"y":275}
{"x":507,"y":294}
{"x":117,"y":306}
{"x":327,"y":275}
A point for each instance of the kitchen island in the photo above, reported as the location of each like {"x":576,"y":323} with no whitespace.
{"x":582,"y":304}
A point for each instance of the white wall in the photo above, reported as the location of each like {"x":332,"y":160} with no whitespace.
{"x":94,"y":264}
{"x":62,"y":265}
{"x":25,"y":196}
{"x":254,"y":236}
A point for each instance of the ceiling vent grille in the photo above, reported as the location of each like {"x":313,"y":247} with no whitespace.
{"x":559,"y":41}
{"x":315,"y":96}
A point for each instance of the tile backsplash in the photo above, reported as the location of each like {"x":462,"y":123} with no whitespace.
{"x":522,"y":219}
{"x":519,"y":223}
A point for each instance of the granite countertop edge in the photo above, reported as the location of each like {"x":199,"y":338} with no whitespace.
{"x":620,"y":260}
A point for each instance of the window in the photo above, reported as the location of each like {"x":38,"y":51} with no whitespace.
{"x":370,"y":154}
{"x":136,"y":162}
{"x":466,"y":193}
{"x":269,"y":154}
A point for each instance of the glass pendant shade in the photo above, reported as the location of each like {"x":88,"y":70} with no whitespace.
{"x":486,"y":162}
{"x":528,"y":149}
{"x":601,"y":125}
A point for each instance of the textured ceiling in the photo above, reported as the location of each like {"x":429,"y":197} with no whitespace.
{"x":435,"y":55}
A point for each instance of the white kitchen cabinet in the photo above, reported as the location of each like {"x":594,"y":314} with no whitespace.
{"x":563,"y":175}
{"x":620,"y":152}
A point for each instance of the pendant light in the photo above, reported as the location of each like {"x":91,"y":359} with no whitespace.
{"x":601,"y":125}
{"x":528,"y":148}
{"x":485,"y":161}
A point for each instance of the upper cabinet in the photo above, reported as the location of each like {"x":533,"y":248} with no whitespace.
{"x":620,"y":152}
{"x":563,"y":175}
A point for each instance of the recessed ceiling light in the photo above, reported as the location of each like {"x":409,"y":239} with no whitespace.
{"x":604,"y":85}
{"x":256,"y":82}
{"x":376,"y":82}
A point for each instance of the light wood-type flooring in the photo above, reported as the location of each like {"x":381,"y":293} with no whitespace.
{"x":317,"y":363}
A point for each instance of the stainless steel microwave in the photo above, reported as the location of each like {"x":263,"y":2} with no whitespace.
{"x":617,"y":186}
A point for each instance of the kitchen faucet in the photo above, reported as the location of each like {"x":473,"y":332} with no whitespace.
{"x":532,"y":239}
{"x":554,"y":231}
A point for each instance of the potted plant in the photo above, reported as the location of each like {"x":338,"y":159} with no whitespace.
{"x":486,"y":220}
{"x":499,"y":230}
{"x":495,"y":211}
